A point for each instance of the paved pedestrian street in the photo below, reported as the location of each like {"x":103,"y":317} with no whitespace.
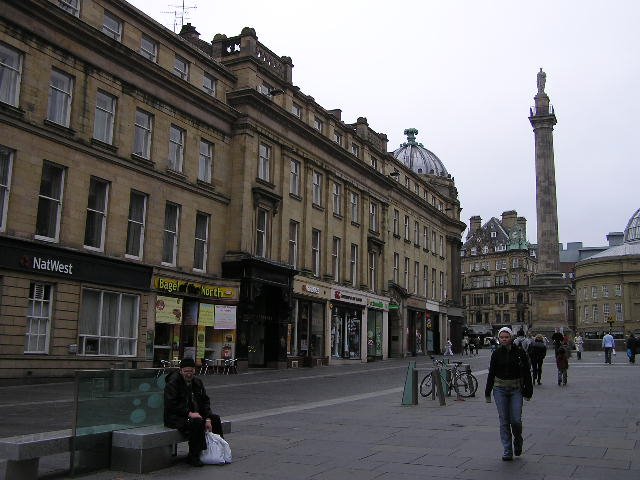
{"x":589,"y":429}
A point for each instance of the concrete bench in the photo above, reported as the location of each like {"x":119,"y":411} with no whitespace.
{"x":144,"y":449}
{"x":20,"y":455}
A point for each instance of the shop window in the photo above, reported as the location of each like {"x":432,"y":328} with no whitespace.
{"x":346,"y":327}
{"x":310,"y":329}
{"x":108,"y":323}
{"x":38,"y":318}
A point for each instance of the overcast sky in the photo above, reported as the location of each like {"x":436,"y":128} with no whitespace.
{"x":464,"y":74}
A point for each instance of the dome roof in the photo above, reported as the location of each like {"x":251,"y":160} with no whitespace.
{"x":631,"y":245}
{"x":418,"y":158}
{"x":632,"y":232}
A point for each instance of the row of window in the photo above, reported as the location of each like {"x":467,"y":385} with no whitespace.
{"x":485,"y":281}
{"x":59,"y":112}
{"x":591,"y":313}
{"x":501,"y":264}
{"x":108,"y":323}
{"x":604,"y":291}
{"x":50,"y":204}
{"x":113,"y":27}
{"x":418,"y":240}
{"x":499,"y":298}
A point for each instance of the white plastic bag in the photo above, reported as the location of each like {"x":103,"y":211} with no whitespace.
{"x":218,"y":451}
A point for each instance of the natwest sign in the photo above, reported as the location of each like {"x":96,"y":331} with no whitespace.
{"x":46,"y":264}
{"x":348,"y":297}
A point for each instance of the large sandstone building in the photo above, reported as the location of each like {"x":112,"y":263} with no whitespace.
{"x":497,"y":265}
{"x":164,"y":196}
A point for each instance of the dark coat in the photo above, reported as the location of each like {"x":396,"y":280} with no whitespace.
{"x":510,"y":364}
{"x":537,"y":351}
{"x":176,"y":400}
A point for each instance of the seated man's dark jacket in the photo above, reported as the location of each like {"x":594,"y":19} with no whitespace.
{"x":510,"y":364}
{"x":177,"y":402}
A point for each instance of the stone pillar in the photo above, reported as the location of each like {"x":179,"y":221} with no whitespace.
{"x":550,"y":293}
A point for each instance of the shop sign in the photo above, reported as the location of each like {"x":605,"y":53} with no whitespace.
{"x":310,"y":289}
{"x":168,"y":310}
{"x":200,"y":342}
{"x":376,"y":304}
{"x":394,"y":306}
{"x":172,"y":285}
{"x":225,"y":317}
{"x":348,"y":297}
{"x":206,"y":315}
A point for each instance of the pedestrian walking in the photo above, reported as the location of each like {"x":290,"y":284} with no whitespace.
{"x":608,"y":344}
{"x":579,"y":343}
{"x":448,"y":348}
{"x":537,"y":351}
{"x":476,"y":345}
{"x":465,"y":345}
{"x":562,"y":362}
{"x":557,"y":338}
{"x":631,"y":348}
{"x":509,"y":379}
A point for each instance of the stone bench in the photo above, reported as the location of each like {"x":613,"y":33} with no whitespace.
{"x":144,"y":449}
{"x":20,"y":455}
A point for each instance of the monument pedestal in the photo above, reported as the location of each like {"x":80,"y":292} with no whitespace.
{"x":549,"y":303}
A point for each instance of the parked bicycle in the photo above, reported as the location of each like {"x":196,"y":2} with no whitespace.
{"x":463,"y":382}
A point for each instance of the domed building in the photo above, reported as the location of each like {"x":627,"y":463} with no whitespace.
{"x":427,"y":289}
{"x":608,"y":288}
{"x":417,"y":158}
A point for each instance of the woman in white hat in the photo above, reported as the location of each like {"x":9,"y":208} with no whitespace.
{"x":509,"y":379}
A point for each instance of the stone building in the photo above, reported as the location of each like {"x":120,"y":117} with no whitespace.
{"x":608,"y":288}
{"x":497,"y":265}
{"x":163,"y":196}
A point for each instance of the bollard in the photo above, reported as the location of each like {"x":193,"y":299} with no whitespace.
{"x":437,"y":385}
{"x":410,"y":393}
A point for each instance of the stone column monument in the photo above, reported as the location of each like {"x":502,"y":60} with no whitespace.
{"x":549,"y":290}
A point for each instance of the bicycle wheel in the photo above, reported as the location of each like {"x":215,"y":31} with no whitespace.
{"x":465,"y":384}
{"x":426,"y":386}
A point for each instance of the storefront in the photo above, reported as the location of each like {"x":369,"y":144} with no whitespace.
{"x":306,"y":333}
{"x":194,"y":320}
{"x":416,"y":327}
{"x":377,"y":319}
{"x":347,"y":328}
{"x":65,"y":310}
{"x":434,"y":342}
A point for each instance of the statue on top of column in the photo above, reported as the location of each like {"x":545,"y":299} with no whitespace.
{"x":542,"y":78}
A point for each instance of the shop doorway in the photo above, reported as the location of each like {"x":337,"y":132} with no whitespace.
{"x":374,"y":335}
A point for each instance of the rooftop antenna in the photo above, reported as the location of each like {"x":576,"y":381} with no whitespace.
{"x":180,"y":14}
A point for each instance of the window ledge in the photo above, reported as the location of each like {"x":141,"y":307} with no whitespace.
{"x":338,"y":216}
{"x":295,"y":196}
{"x":16,"y":112}
{"x":355,"y":224}
{"x":407,"y":241}
{"x":142,"y":160}
{"x":266,"y":183}
{"x":104,"y":146}
{"x":318,"y":207}
{"x":395,"y":235}
{"x":417,"y":245}
{"x":205,"y":185}
{"x":61,"y":128}
{"x":176,"y":174}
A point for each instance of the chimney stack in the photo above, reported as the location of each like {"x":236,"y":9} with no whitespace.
{"x":509,"y":219}
{"x":475,"y":223}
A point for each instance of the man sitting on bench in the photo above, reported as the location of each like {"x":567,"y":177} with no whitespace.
{"x":187,"y":408}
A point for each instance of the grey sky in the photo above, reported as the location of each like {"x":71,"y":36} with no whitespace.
{"x":464,"y":74}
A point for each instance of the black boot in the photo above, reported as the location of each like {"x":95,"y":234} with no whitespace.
{"x":516,"y":429}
